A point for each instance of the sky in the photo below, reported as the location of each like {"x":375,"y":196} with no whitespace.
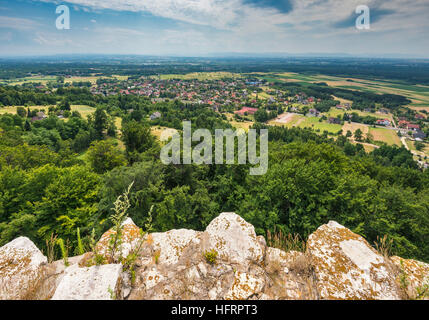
{"x":214,"y":27}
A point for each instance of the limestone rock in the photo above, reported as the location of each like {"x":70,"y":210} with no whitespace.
{"x":130,"y":240}
{"x":53,"y":274}
{"x":244,"y":287}
{"x":290,"y":276}
{"x":413,"y":277}
{"x":170,"y":244}
{"x":235,"y":240}
{"x":21,"y":267}
{"x":95,"y":283}
{"x":347,"y":267}
{"x":338,"y":264}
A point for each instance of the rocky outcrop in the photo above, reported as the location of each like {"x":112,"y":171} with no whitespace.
{"x":413,"y":277}
{"x":21,"y":269}
{"x":347,"y":267}
{"x":225,"y":261}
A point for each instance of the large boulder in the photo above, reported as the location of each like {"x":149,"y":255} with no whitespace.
{"x":347,"y":267}
{"x":94,"y":283}
{"x":234,"y":240}
{"x":181,"y":269}
{"x":21,"y":269}
{"x":413,"y":277}
{"x":129,"y":241}
{"x":169,"y":246}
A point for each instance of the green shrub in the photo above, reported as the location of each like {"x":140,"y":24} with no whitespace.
{"x":211,"y":256}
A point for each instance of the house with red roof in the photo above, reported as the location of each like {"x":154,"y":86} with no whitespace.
{"x":414,"y":127}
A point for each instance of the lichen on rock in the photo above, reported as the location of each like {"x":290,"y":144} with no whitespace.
{"x":130,"y":238}
{"x":21,"y":266}
{"x":338,"y":264}
{"x":93,"y":283}
{"x":347,"y":267}
{"x":235,"y":240}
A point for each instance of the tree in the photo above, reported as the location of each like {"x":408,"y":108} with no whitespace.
{"x":358,"y":135}
{"x":419,"y":145}
{"x":82,"y":141}
{"x":27,"y":125}
{"x":305,"y":110}
{"x":111,"y":128}
{"x":60,"y":79}
{"x":20,"y":111}
{"x":65,"y":105}
{"x":104,"y":156}
{"x":100,"y":122}
{"x":349,"y":134}
{"x":369,"y":137}
{"x":137,"y":137}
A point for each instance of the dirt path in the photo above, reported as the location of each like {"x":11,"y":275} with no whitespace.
{"x":285,"y":117}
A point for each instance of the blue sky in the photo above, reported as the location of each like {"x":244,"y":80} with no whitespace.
{"x":201,"y":27}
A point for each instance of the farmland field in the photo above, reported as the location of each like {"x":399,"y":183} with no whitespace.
{"x":199,"y":76}
{"x":352,"y":127}
{"x":385,"y":135}
{"x":287,"y":120}
{"x":335,"y":112}
{"x":158,"y":130}
{"x":34,"y":79}
{"x":83,"y":110}
{"x":239,"y":124}
{"x":12,"y":110}
{"x":45,"y":79}
{"x":418,"y":94}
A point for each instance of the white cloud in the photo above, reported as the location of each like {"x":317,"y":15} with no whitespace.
{"x":312,"y":26}
{"x":235,"y":15}
{"x":17,"y":23}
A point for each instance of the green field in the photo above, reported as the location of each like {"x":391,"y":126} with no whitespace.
{"x":314,"y":123}
{"x":418,"y":94}
{"x":334,"y":112}
{"x":35,"y":79}
{"x":385,"y":135}
{"x":201,"y":76}
{"x":12,"y":110}
{"x":45,"y":79}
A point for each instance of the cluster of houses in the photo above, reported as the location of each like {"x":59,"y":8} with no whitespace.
{"x":406,"y":127}
{"x":383,"y":122}
{"x":235,"y":92}
{"x":303,"y":99}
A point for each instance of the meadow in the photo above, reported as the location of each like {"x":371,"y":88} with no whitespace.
{"x":201,"y":76}
{"x":385,"y":135}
